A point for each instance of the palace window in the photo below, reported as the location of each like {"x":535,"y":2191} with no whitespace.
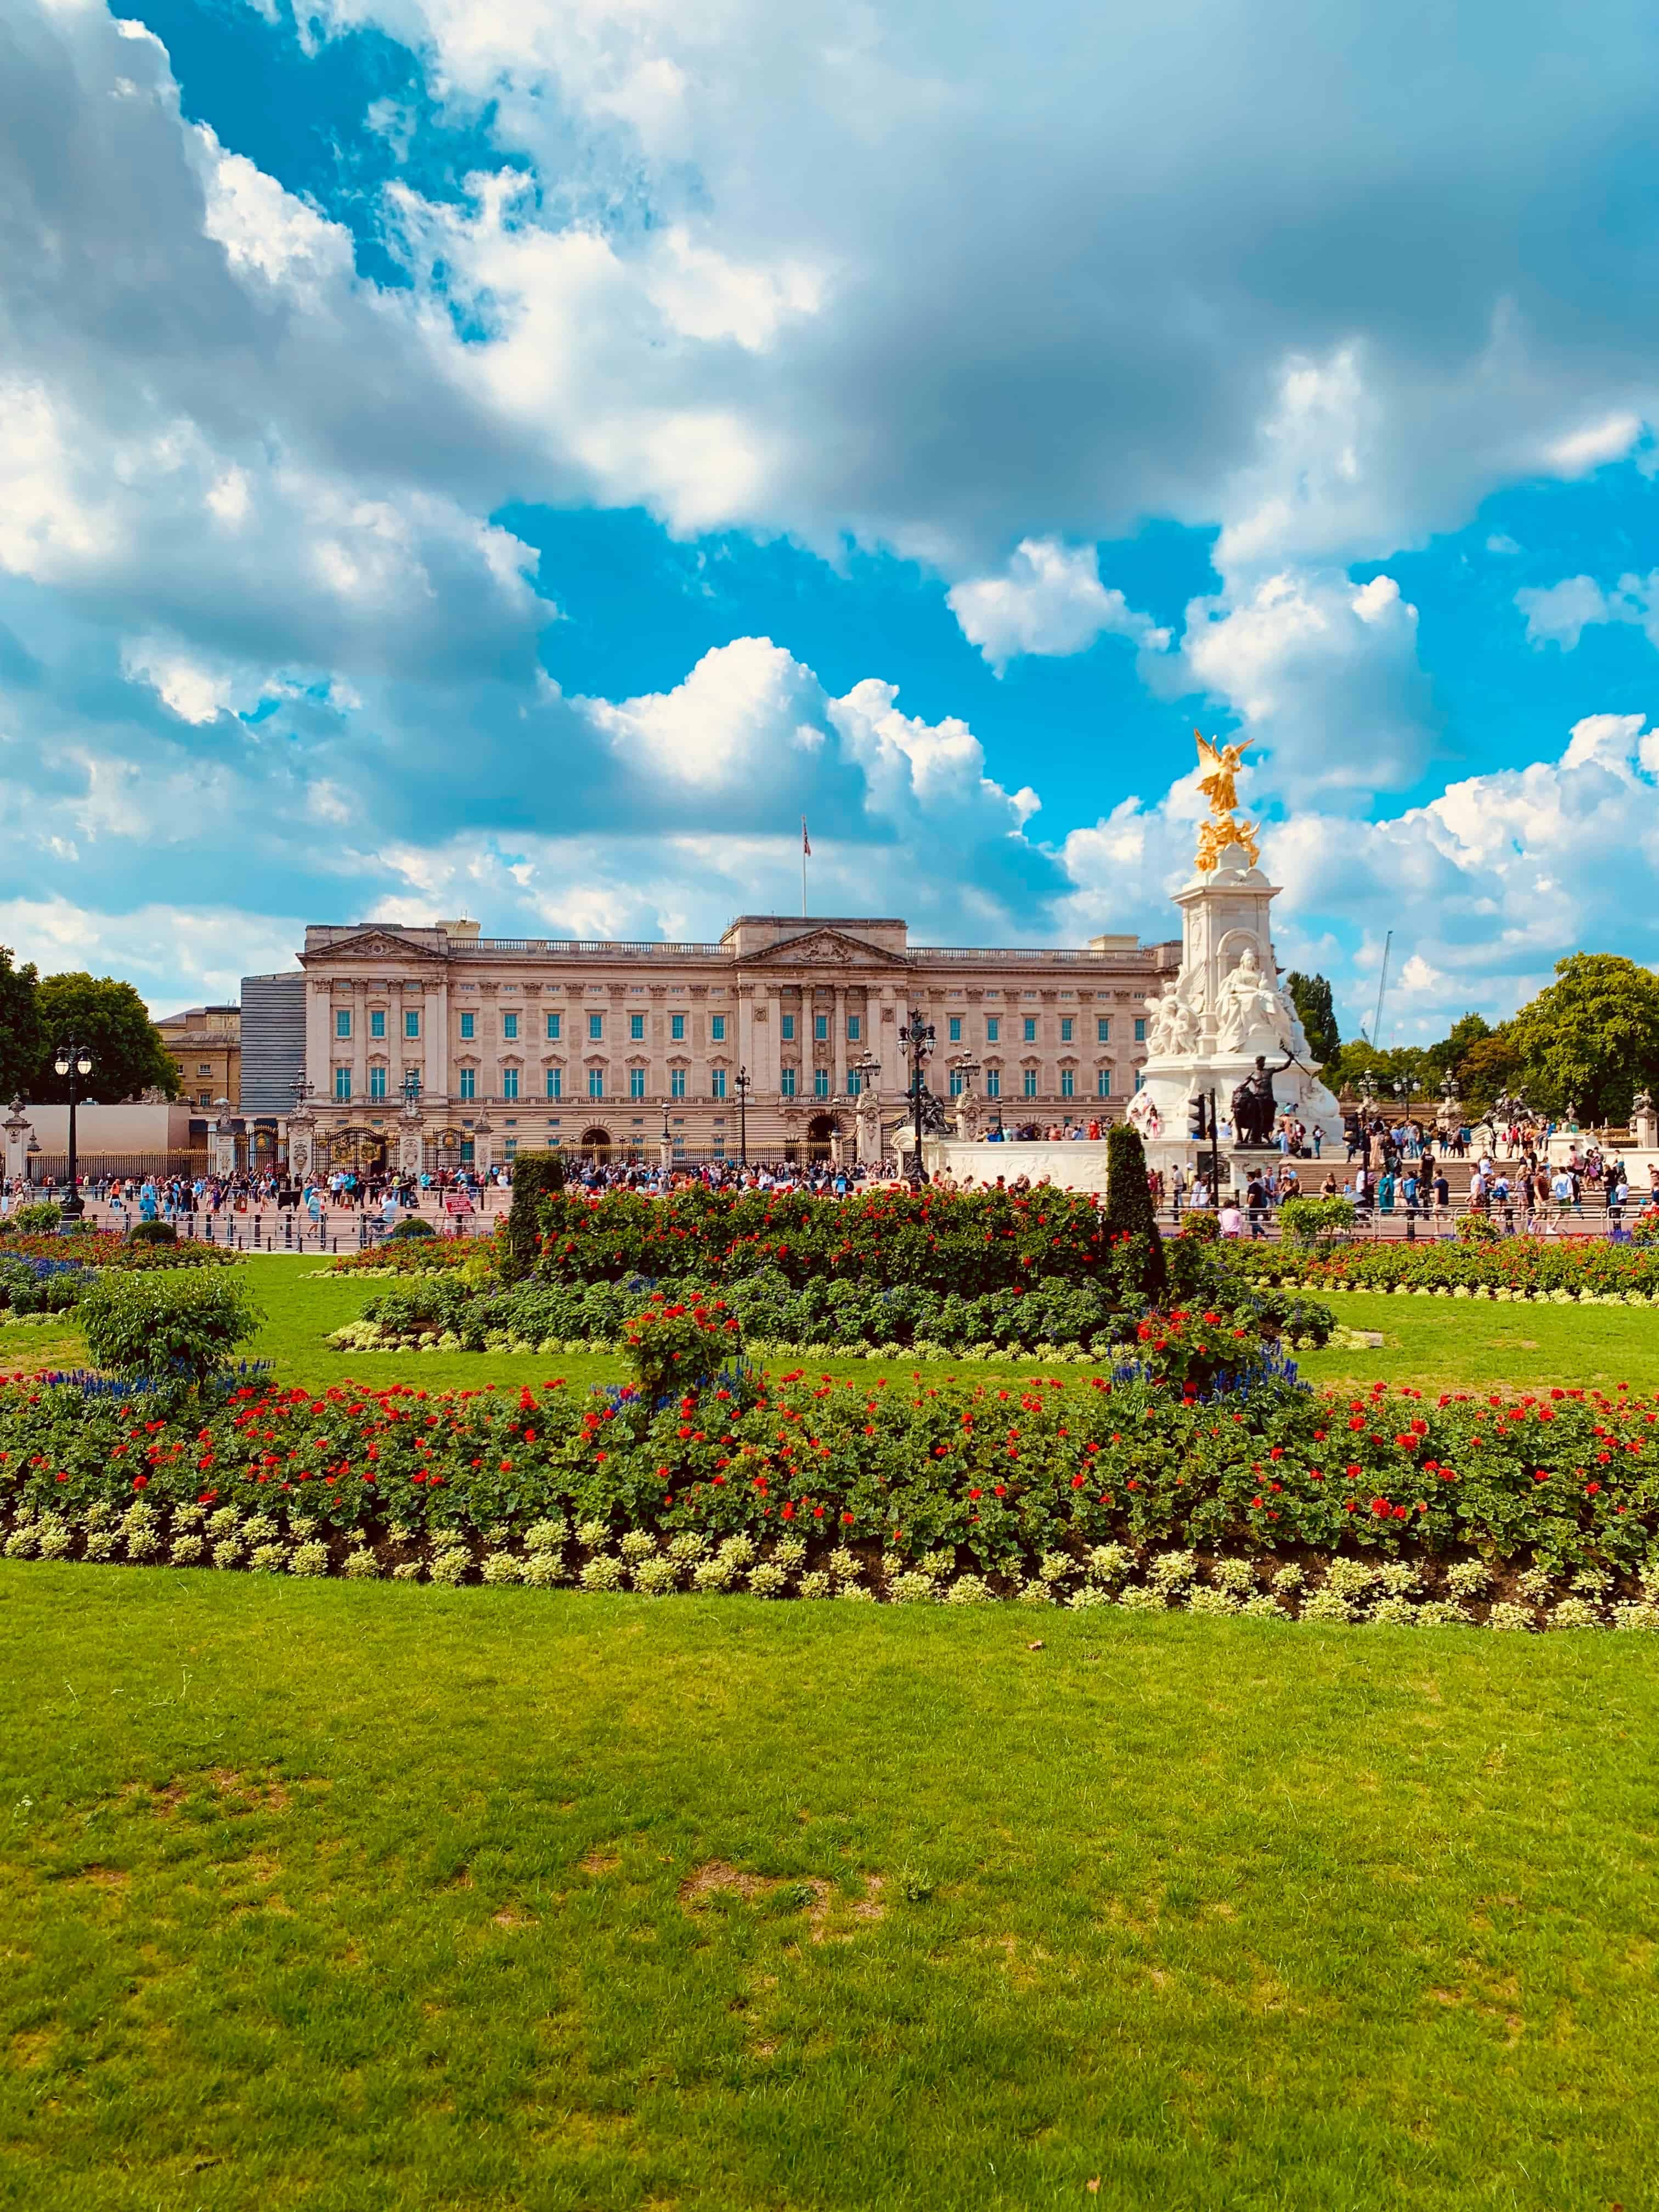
{"x":820,"y":1083}
{"x":469,"y":1028}
{"x":1140,"y":1030}
{"x":342,"y":1083}
{"x":821,"y":1028}
{"x":510,"y":1028}
{"x":1030,"y":1082}
{"x":509,"y":1083}
{"x":786,"y":1027}
{"x":1103,"y":1031}
{"x":855,"y":1023}
{"x":956,"y":1029}
{"x":377,"y":1023}
{"x":469,"y":1084}
{"x":343,"y":1021}
{"x":786,"y":1082}
{"x":636,"y":1027}
{"x":596,"y":1079}
{"x":994,"y":1082}
{"x":411,"y":1024}
{"x":993,"y":1029}
{"x":636,"y":1083}
{"x":1066,"y":1029}
{"x":1140,"y":1079}
{"x":958,"y":1083}
{"x":1068,"y":1083}
{"x":377,"y":1082}
{"x":717,"y":1082}
{"x":555,"y":1028}
{"x":675,"y":1028}
{"x":555,"y":1083}
{"x":1102,"y":1083}
{"x":1030,"y":1028}
{"x":677,"y":1083}
{"x":717,"y":1029}
{"x":595,"y":1032}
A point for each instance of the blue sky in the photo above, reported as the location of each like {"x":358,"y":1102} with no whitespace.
{"x":516,"y":457}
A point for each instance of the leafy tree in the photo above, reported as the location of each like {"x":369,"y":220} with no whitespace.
{"x":111,"y":1020}
{"x":1448,"y":1055}
{"x":1403,"y":1063}
{"x":1490,"y":1067}
{"x":19,"y":1026}
{"x":1591,"y":1037}
{"x":1129,"y":1204}
{"x":1311,"y":997}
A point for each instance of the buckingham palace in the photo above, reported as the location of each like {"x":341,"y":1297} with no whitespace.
{"x":440,"y":1042}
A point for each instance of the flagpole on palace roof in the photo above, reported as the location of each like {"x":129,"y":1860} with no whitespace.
{"x":806,"y":848}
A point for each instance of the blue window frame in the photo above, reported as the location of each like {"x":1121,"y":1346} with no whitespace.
{"x":468,"y":1083}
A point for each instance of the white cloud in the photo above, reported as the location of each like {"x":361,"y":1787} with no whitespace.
{"x":1050,"y":599}
{"x":1323,"y":671}
{"x":1560,"y":614}
{"x":1595,"y":445}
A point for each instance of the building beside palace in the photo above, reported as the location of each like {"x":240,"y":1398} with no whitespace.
{"x":478,"y":1047}
{"x":205,"y":1045}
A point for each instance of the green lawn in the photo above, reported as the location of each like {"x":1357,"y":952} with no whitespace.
{"x":336,"y":1896}
{"x":1436,"y":1344}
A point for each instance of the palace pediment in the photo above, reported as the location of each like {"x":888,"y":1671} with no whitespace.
{"x":821,"y":948}
{"x":379,"y":944}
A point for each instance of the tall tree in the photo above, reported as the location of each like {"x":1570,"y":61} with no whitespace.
{"x":111,"y":1021}
{"x":1448,"y":1056}
{"x":19,"y":1025}
{"x":1591,"y":1038}
{"x":1129,"y":1209}
{"x":1489,"y":1067}
{"x":1311,"y":997}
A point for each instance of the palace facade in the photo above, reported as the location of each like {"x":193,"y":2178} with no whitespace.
{"x":498,"y":1045}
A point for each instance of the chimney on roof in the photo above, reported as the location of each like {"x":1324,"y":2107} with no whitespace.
{"x":466,"y":931}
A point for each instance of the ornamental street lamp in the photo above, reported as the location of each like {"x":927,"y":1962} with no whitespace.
{"x":917,"y":1037}
{"x":410,"y":1087}
{"x":743,"y":1083}
{"x":73,"y":1059}
{"x":303,"y":1092}
{"x":966,"y":1069}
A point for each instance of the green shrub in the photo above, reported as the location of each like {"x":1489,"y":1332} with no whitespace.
{"x":536,"y":1175}
{"x":412,"y":1224}
{"x":1315,"y":1220}
{"x":179,"y":1327}
{"x":1129,"y":1209}
{"x":676,"y":1345}
{"x":155,"y":1232}
{"x":1477,"y":1229}
{"x":39,"y":1218}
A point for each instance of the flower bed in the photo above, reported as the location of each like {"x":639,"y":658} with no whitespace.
{"x":41,"y":1276}
{"x":421,"y":1255}
{"x":966,"y":1242}
{"x":1567,"y":1269}
{"x":1048,"y":1319}
{"x":103,"y":1248}
{"x":1125,"y":1489}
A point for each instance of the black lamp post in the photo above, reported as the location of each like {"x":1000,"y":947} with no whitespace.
{"x":743,"y":1083}
{"x":917,"y":1036}
{"x":72,"y":1060}
{"x":411,"y":1088}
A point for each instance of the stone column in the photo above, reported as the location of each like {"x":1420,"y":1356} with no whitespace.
{"x":838,"y":1044}
{"x":301,"y":1142}
{"x":483,"y":1142}
{"x":19,"y":1130}
{"x":224,"y":1141}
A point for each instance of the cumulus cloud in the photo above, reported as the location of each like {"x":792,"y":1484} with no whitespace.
{"x":1560,"y":613}
{"x":1048,"y":599}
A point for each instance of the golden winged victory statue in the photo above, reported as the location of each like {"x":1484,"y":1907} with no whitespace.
{"x":1221,"y":764}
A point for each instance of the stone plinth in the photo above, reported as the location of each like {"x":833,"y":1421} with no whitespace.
{"x":1078,"y":1166}
{"x":1223,"y":1011}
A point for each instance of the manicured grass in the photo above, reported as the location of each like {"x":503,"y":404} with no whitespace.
{"x":1438,"y":1343}
{"x":331,"y":1895}
{"x":1458,"y":1344}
